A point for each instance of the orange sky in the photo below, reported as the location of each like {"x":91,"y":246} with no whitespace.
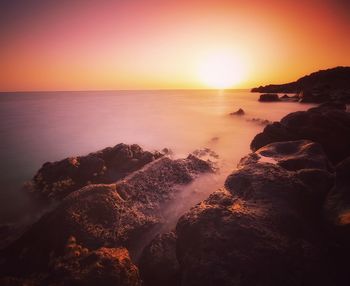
{"x":131,"y":44}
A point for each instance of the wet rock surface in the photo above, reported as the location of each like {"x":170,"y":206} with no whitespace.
{"x":328,"y":126}
{"x":291,"y":155}
{"x":55,"y":180}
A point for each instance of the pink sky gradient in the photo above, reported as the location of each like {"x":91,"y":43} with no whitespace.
{"x":78,"y":45}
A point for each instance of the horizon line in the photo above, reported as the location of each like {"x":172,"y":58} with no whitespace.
{"x":148,"y":89}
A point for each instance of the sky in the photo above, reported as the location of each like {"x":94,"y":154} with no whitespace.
{"x":152,"y":44}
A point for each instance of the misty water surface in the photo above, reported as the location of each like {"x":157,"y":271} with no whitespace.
{"x":48,"y":126}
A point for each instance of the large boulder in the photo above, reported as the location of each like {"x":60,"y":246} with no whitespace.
{"x":229,"y":241}
{"x":264,"y":227}
{"x":329,"y":127}
{"x":55,"y":180}
{"x":158,"y":263}
{"x":122,"y":214}
{"x":269,"y":97}
{"x":305,"y":157}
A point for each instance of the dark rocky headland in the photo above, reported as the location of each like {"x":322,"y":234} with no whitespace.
{"x":281,"y":218}
{"x":322,"y":86}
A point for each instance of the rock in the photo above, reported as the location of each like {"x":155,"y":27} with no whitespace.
{"x":337,"y":206}
{"x":327,"y":126}
{"x":256,"y":231}
{"x":288,"y":98}
{"x":10,"y":232}
{"x":314,"y":96}
{"x":260,"y":121}
{"x":90,"y":214}
{"x":158,"y":264}
{"x":80,"y":266}
{"x":13,"y":281}
{"x":334,"y":82}
{"x":291,"y":155}
{"x":6,"y":231}
{"x":319,"y":183}
{"x":342,"y":95}
{"x":337,"y":219}
{"x":239,"y":112}
{"x":307,"y":159}
{"x":104,"y":266}
{"x":121,"y":214}
{"x":167,"y":151}
{"x":269,"y":97}
{"x":265,"y":226}
{"x":206,"y":154}
{"x":336,"y":105}
{"x":274,"y":132}
{"x":263,"y":180}
{"x":56,"y":180}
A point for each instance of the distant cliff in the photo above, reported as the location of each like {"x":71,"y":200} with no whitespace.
{"x":334,"y":79}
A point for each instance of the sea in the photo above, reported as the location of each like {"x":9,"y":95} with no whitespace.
{"x":37,"y":127}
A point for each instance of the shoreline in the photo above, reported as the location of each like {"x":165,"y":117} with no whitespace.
{"x":286,"y":158}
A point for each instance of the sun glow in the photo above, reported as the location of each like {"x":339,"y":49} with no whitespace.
{"x":221,"y":71}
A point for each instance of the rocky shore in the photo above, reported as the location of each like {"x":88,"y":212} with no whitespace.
{"x":322,"y":86}
{"x":281,"y":218}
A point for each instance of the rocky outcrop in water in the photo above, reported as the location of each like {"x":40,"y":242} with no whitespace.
{"x":259,"y":121}
{"x":56,"y":180}
{"x":239,"y":112}
{"x":269,"y":97}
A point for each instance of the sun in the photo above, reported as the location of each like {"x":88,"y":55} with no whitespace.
{"x":221,"y":70}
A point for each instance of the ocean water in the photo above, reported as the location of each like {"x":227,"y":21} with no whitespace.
{"x":36,"y":127}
